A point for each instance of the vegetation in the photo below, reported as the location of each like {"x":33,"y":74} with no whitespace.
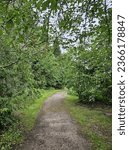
{"x":51,"y":44}
{"x":95,"y":122}
{"x":27,"y":116}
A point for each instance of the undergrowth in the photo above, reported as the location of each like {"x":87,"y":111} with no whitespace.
{"x":25,"y":117}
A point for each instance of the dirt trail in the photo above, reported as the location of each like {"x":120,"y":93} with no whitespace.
{"x":55,"y":130}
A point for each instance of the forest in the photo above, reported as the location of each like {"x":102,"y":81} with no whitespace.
{"x":54,"y":44}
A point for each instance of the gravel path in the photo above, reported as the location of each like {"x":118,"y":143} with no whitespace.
{"x":54,"y":129}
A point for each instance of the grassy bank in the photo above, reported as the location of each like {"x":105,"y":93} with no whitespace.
{"x":26,"y":119}
{"x":94,"y":121}
{"x":30,"y":113}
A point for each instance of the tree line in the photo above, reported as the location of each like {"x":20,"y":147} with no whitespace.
{"x":54,"y":44}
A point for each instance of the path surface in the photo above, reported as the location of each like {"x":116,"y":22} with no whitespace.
{"x":55,"y":130}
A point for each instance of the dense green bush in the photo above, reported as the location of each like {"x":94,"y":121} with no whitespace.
{"x":92,"y":76}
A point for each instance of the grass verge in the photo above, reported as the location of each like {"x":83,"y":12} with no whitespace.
{"x":26,"y":120}
{"x":30,"y":113}
{"x":94,"y":122}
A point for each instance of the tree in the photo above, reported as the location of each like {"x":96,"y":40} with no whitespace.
{"x":33,"y":33}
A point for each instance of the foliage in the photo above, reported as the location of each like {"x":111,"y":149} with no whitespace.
{"x":92,"y":80}
{"x":90,"y":68}
{"x":34,"y":35}
{"x":46,"y":71}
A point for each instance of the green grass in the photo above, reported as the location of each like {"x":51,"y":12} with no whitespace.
{"x":30,"y":113}
{"x":93,"y":121}
{"x":27,"y":117}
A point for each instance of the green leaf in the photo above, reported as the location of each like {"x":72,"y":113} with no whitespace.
{"x":1,"y":32}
